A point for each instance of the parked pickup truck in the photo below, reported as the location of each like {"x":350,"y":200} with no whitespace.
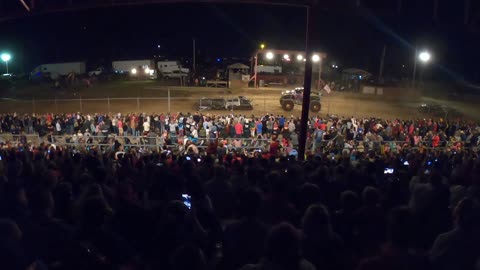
{"x":238,"y":103}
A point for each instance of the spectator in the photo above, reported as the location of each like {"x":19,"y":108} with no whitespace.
{"x":460,"y":247}
{"x":321,"y":245}
{"x":12,"y":254}
{"x":397,"y":253}
{"x":370,"y":222}
{"x":277,"y":207}
{"x":221,"y":193}
{"x":282,"y":251}
{"x":244,"y":239}
{"x":345,"y":218}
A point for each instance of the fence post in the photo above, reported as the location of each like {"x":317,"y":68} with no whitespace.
{"x":169,"y":100}
{"x":81,"y":107}
{"x":33,"y":105}
{"x":108,"y":104}
{"x":138,"y":104}
{"x":56,"y":105}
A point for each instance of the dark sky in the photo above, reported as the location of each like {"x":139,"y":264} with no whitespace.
{"x":351,"y":37}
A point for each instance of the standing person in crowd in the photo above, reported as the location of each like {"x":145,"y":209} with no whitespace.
{"x":459,"y":248}
{"x":282,"y":251}
{"x":238,"y":130}
{"x":146,"y":127}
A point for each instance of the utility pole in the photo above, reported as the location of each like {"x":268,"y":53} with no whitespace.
{"x":194,"y":60}
{"x":435,"y":10}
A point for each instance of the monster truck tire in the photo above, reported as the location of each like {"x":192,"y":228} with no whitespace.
{"x":315,"y":106}
{"x":287,"y":105}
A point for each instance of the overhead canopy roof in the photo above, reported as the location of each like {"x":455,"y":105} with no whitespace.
{"x":238,"y":66}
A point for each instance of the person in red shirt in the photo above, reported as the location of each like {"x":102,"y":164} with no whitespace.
{"x":238,"y":130}
{"x":274,"y":147}
{"x":436,"y":140}
{"x":411,"y":129}
{"x":323,"y":126}
{"x":120,"y":127}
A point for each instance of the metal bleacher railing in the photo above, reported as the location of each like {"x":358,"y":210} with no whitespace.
{"x":109,"y":140}
{"x":157,"y":142}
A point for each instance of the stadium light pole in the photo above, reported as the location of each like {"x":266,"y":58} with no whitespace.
{"x":5,"y":58}
{"x":424,"y":57}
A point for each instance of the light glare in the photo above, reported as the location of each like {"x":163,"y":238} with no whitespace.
{"x":6,"y":57}
{"x":424,"y":56}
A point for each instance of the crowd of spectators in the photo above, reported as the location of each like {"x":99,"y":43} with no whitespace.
{"x":324,"y":132}
{"x":64,"y":207}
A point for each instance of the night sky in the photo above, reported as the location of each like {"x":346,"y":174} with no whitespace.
{"x":351,"y":37}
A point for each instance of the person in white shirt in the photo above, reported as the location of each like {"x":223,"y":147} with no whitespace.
{"x":194,"y":133}
{"x":58,"y":127}
{"x":173,"y":129}
{"x":146,"y":127}
{"x":291,"y":126}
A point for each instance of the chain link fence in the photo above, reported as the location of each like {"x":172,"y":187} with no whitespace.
{"x":261,"y":105}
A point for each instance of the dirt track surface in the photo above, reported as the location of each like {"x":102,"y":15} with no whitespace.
{"x":185,"y":99}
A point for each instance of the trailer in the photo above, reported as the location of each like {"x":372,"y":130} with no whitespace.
{"x":169,"y":67}
{"x":54,"y":70}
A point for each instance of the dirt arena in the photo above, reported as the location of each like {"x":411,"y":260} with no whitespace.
{"x":185,"y":99}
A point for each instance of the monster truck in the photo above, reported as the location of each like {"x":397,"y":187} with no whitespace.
{"x":291,"y":97}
